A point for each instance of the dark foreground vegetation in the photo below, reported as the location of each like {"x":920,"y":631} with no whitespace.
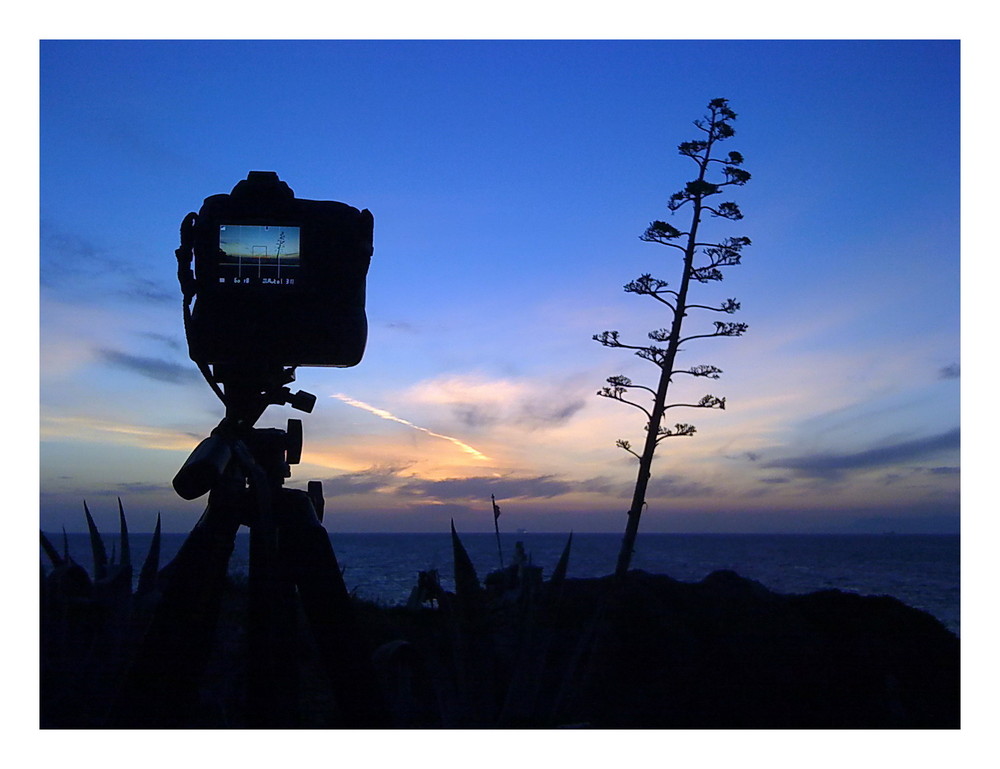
{"x":520,"y":651}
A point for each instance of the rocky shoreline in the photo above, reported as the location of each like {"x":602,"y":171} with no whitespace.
{"x":641,"y":652}
{"x":653,"y":652}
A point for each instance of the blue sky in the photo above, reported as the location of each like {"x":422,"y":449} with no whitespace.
{"x":509,"y":182}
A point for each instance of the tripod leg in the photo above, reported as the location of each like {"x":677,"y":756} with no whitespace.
{"x":160,"y":688}
{"x":273,"y":671}
{"x":309,"y":557}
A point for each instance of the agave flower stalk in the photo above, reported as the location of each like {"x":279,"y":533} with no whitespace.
{"x":703,"y":262}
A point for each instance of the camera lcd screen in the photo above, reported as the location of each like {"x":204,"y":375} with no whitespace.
{"x":258,"y":254}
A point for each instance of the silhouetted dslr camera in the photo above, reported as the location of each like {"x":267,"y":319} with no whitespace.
{"x":280,"y":281}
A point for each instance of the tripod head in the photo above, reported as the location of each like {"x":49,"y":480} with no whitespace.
{"x":248,"y":390}
{"x":246,"y":393}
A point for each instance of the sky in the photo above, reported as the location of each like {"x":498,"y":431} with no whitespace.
{"x":509,"y":182}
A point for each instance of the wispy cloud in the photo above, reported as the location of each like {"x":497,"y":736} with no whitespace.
{"x":480,"y":402}
{"x":545,"y":486}
{"x":368,"y":481}
{"x":383,"y":414}
{"x":173,"y":342}
{"x":154,"y":368}
{"x":99,"y":430}
{"x":73,"y":265}
{"x":831,"y":466}
{"x":65,"y":258}
{"x":142,"y":488}
{"x":145,"y":290}
{"x":668,"y":486}
{"x":404,"y":484}
{"x":402,"y":326}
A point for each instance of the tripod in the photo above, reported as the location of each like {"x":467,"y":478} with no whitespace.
{"x":293,"y":573}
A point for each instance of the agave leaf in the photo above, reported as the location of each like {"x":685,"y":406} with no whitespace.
{"x":96,"y":546}
{"x":126,"y":561}
{"x":559,"y":575}
{"x":51,"y":552}
{"x":66,"y":556}
{"x":466,"y":581}
{"x":151,"y":566}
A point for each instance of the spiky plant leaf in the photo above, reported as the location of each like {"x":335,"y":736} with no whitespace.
{"x":559,"y":575}
{"x":466,"y":581}
{"x":51,"y":552}
{"x":151,"y":566}
{"x":96,"y":546}
{"x":126,"y":561}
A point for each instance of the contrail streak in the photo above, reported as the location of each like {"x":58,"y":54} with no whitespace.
{"x":393,"y":418}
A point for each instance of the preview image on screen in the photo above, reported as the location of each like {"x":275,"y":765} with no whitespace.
{"x":258,"y":253}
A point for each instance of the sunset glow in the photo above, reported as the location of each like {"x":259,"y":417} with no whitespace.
{"x":508,"y":203}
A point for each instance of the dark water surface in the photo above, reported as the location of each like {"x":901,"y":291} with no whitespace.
{"x":923,"y":571}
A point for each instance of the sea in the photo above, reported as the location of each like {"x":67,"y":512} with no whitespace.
{"x":921,"y":570}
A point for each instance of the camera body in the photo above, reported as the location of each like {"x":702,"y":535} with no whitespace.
{"x":280,"y":281}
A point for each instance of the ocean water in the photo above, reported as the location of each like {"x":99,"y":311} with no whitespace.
{"x":923,"y":571}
